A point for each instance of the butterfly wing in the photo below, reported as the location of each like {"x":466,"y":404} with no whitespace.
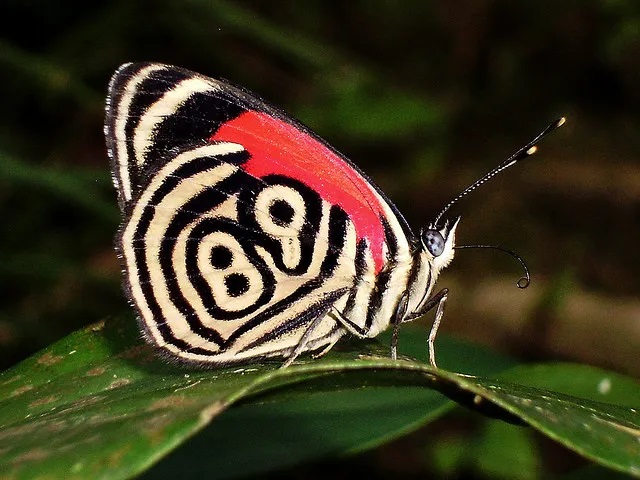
{"x":241,"y":227}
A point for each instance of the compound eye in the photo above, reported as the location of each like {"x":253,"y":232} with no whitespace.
{"x":433,"y":242}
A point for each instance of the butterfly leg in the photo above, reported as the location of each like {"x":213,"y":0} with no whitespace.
{"x":401,"y":311}
{"x":434,"y":331}
{"x":348,"y":325}
{"x":306,"y":336}
{"x":326,"y":349}
{"x":360,"y":332}
{"x":438,"y":300}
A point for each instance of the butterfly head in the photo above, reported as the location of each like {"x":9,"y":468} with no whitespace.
{"x":438,"y":243}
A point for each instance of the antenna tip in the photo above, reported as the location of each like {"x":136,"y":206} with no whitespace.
{"x":561,"y":121}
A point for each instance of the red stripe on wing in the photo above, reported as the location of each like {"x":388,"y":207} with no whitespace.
{"x":277,"y":147}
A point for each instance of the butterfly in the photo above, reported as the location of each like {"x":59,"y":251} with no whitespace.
{"x":245,"y":236}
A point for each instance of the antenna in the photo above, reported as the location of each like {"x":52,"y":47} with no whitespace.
{"x":524,"y":281}
{"x":524,"y":152}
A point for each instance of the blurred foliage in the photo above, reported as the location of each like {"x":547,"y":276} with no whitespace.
{"x":423,"y":95}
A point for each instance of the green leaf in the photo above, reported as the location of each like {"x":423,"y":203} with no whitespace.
{"x":99,"y":404}
{"x":580,"y":381}
{"x":605,"y":433}
{"x":317,"y":421}
{"x":324,"y":417}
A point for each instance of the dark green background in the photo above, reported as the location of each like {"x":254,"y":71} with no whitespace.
{"x":424,"y":95}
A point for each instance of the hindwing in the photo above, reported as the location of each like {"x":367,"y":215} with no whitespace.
{"x":240,"y":226}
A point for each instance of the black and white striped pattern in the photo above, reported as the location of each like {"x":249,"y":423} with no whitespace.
{"x":223,"y":267}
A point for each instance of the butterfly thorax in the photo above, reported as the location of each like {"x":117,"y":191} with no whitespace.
{"x":414,"y":277}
